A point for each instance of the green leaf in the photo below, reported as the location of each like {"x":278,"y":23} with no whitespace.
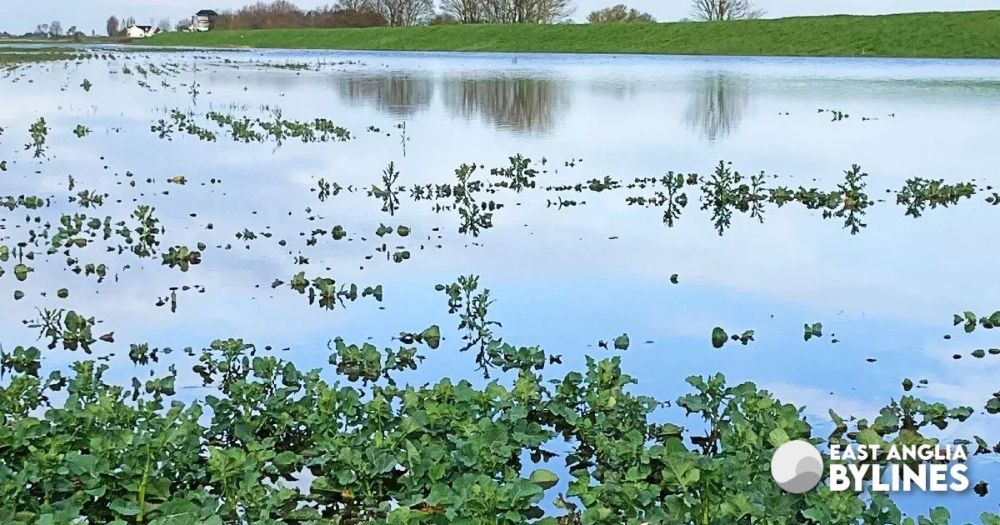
{"x":940,"y":516}
{"x":124,"y":507}
{"x":778,"y":437}
{"x":544,"y":478}
{"x":868,"y":436}
{"x":719,"y":337}
{"x":432,"y":336}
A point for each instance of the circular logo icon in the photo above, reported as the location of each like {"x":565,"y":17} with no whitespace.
{"x":797,"y":466}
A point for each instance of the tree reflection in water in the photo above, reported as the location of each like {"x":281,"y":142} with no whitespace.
{"x":522,"y":104}
{"x":400,"y":95}
{"x":718,"y":102}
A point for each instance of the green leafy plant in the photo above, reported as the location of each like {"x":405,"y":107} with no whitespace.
{"x":39,"y":131}
{"x":181,"y":257}
{"x":270,"y":443}
{"x":811,"y":331}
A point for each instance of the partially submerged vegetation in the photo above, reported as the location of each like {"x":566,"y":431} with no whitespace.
{"x":13,"y":56}
{"x":284,"y":445}
{"x":105,"y":429}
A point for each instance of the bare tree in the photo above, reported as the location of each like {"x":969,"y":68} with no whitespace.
{"x":526,"y":11}
{"x":284,"y":14}
{"x":619,"y":13}
{"x":164,"y":25}
{"x":354,"y":13}
{"x":277,"y":14}
{"x":55,"y":28}
{"x":710,"y":10}
{"x":405,"y":12}
{"x":112,"y":25}
{"x":360,"y":6}
{"x":75,"y":34}
{"x":497,"y":11}
{"x":365,"y":13}
{"x":543,"y":11}
{"x":464,"y":11}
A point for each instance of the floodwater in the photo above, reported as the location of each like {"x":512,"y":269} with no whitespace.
{"x":563,"y":278}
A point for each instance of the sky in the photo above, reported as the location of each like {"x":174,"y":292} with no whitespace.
{"x":19,"y":16}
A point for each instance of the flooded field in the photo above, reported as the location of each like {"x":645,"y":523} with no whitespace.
{"x":824,"y":228}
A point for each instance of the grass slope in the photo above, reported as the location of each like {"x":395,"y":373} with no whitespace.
{"x":974,"y":34}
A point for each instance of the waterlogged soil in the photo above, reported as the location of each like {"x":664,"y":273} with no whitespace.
{"x":813,"y":226}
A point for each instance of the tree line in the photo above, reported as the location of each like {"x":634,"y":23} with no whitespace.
{"x":362,"y":13}
{"x":279,"y":14}
{"x":53,"y":29}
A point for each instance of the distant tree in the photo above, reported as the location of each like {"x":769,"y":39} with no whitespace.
{"x":405,"y":12}
{"x":464,"y":11}
{"x":354,"y":5}
{"x":112,"y":25}
{"x":75,"y":34}
{"x":345,"y":14}
{"x":128,"y":22}
{"x":182,"y":25}
{"x":442,"y":19}
{"x":55,"y":28}
{"x":366,"y":13}
{"x":709,"y":10}
{"x":619,"y":13}
{"x":526,"y":11}
{"x":284,"y":14}
{"x":164,"y":25}
{"x":277,"y":14}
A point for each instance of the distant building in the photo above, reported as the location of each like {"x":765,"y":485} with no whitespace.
{"x":203,"y":20}
{"x":136,"y":31}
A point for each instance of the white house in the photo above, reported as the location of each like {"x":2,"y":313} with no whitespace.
{"x":203,"y":20}
{"x":199,"y":24}
{"x":136,"y":31}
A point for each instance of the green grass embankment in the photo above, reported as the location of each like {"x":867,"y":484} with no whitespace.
{"x":973,"y":34}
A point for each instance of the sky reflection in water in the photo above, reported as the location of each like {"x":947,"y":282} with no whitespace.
{"x":563,"y":279}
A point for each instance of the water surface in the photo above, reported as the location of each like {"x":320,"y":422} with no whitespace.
{"x":563,"y":278}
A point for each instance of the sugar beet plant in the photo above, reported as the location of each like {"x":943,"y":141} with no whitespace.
{"x":272,"y":444}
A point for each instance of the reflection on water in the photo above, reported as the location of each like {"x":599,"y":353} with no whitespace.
{"x":536,"y":104}
{"x":616,"y":89}
{"x":398,"y":95}
{"x":717,"y":104}
{"x":523,"y":104}
{"x":520,"y":104}
{"x":565,"y":276}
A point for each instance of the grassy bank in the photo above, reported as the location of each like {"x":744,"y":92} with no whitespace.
{"x":952,"y":35}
